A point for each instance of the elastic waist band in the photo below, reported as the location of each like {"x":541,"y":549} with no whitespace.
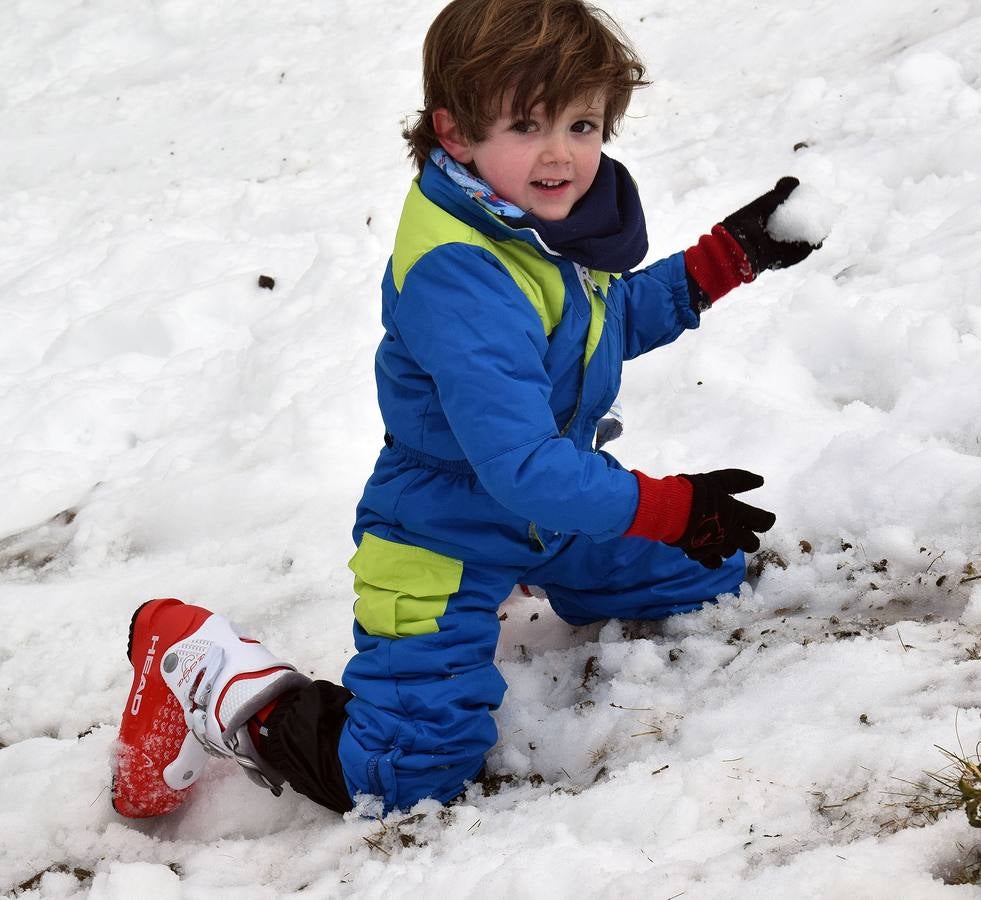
{"x":456,"y":466}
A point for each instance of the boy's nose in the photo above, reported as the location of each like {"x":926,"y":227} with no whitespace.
{"x":556,"y":149}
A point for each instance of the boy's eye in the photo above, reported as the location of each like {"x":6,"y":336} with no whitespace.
{"x":524,"y":126}
{"x":584,"y":126}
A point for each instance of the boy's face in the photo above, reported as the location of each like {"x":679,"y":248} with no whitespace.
{"x":541,"y":166}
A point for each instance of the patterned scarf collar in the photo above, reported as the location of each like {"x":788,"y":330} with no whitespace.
{"x":474,"y":187}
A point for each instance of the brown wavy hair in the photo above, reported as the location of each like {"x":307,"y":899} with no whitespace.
{"x":547,"y":51}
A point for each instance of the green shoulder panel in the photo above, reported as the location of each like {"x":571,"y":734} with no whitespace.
{"x":425,"y":225}
{"x":402,"y":590}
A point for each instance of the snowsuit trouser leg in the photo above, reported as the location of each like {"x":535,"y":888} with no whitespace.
{"x":424,"y":678}
{"x":630,"y":578}
{"x":424,"y":681}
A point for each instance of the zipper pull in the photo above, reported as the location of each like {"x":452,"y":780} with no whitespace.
{"x":586,"y":280}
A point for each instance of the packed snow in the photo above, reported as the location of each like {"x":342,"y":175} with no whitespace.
{"x":169,"y":428}
{"x":804,"y":216}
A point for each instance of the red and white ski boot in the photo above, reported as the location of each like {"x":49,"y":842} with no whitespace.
{"x":196,"y":683}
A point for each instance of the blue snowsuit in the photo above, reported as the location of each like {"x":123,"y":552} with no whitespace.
{"x":499,"y":357}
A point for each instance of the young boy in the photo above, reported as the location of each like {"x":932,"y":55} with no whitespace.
{"x":505,"y":333}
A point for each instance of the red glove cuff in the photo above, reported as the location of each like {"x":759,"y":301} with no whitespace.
{"x":718,"y":263}
{"x":662,"y":509}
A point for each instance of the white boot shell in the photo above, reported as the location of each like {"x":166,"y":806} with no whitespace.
{"x":220,"y":680}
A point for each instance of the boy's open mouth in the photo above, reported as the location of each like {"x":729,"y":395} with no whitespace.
{"x":549,"y":184}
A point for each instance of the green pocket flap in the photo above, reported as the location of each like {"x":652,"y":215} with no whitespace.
{"x":401,"y":589}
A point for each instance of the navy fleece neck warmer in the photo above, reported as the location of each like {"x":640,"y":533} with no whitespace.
{"x":605,"y":229}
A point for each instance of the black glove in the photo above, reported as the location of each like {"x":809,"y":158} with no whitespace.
{"x":748,"y":227}
{"x":718,"y":524}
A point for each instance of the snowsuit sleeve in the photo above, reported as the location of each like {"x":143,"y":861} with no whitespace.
{"x":469,"y":326}
{"x":656,"y":305}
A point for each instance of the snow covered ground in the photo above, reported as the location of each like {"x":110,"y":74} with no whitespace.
{"x":178,"y":431}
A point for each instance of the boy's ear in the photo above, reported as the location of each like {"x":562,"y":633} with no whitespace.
{"x":449,"y":136}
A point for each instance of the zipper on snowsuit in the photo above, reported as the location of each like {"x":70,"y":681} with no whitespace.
{"x":588,"y":285}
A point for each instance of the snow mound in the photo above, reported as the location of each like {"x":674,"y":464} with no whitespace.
{"x":136,"y":879}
